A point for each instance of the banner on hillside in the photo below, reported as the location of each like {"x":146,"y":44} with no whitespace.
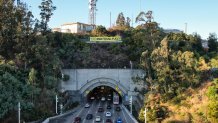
{"x":105,"y":39}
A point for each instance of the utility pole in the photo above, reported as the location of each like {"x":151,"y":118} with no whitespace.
{"x":185,"y":28}
{"x":56,"y":104}
{"x":110,"y":19}
{"x":18,"y":112}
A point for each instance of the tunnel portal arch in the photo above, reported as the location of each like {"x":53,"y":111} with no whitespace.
{"x":90,"y":85}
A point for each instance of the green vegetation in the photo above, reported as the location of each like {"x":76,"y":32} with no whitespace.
{"x":178,"y":69}
{"x":29,"y":67}
{"x":174,"y":65}
{"x":212,"y":94}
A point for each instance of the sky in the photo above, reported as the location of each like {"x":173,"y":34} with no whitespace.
{"x":201,"y":16}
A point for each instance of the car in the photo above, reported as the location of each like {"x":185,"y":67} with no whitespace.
{"x":103,"y":99}
{"x":108,"y":107}
{"x":109,"y":99}
{"x":108,"y":121}
{"x":100,"y":109}
{"x":119,"y":120}
{"x":108,"y":114}
{"x":77,"y":120}
{"x":118,"y":108}
{"x":89,"y":116}
{"x":87,"y":105}
{"x":98,"y":119}
{"x":92,"y":98}
{"x":98,"y":98}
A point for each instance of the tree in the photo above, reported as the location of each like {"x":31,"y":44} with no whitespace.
{"x":128,"y":20}
{"x":47,"y":9}
{"x":212,"y":43}
{"x":143,"y":16}
{"x":120,"y":20}
{"x":100,"y":31}
{"x":25,"y":34}
{"x":197,"y":43}
{"x":153,"y":34}
{"x":213,"y":63}
{"x":8,"y":28}
{"x":13,"y":89}
{"x":213,"y":104}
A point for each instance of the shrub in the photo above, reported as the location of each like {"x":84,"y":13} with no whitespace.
{"x":66,"y":77}
{"x":167,"y":96}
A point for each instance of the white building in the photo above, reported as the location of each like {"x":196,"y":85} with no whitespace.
{"x":74,"y":28}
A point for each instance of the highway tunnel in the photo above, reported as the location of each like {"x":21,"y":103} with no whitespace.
{"x":104,"y":93}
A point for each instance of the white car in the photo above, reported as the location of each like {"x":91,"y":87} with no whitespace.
{"x":98,"y":119}
{"x":87,"y":105}
{"x":103,"y":99}
{"x":108,"y":114}
{"x":92,"y":98}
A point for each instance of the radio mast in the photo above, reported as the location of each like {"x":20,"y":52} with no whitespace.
{"x":92,"y":12}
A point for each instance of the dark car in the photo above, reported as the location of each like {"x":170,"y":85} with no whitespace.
{"x":108,"y":107}
{"x":118,"y":108}
{"x":89,"y":116}
{"x":100,"y":109}
{"x":108,"y":121}
{"x":77,"y":120}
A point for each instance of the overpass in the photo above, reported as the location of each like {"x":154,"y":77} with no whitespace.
{"x":82,"y":81}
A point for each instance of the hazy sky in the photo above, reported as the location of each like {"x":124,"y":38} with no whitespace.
{"x":201,"y":16}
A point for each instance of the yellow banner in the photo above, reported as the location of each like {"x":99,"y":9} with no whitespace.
{"x":117,"y":38}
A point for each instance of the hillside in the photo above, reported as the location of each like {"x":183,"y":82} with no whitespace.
{"x":191,"y":108}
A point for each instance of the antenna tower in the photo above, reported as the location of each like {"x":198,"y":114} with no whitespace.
{"x":92,"y":12}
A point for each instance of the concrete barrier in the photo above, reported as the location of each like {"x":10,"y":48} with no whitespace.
{"x":130,"y":115}
{"x":61,"y":115}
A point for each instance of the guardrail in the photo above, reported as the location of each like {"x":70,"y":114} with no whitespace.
{"x":130,"y":115}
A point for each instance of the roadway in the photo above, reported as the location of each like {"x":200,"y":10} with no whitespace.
{"x":93,"y":109}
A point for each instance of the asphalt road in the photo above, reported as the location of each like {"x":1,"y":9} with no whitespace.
{"x":93,"y":109}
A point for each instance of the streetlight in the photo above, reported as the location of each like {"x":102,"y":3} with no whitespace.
{"x":19,"y":112}
{"x":130,"y":103}
{"x":61,"y":107}
{"x":145,"y":113}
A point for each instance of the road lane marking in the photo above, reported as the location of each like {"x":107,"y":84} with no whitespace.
{"x":84,"y":120}
{"x":113,"y":113}
{"x":80,"y":111}
{"x":123,"y":113}
{"x":97,"y":107}
{"x":78,"y":114}
{"x":87,"y":113}
{"x":105,"y":110}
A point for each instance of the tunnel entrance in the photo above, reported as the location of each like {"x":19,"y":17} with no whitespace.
{"x":104,"y":93}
